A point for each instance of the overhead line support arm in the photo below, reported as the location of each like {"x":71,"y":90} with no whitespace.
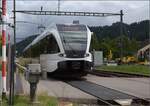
{"x":63,"y":13}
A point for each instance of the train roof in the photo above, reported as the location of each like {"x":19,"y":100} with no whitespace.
{"x":59,"y":28}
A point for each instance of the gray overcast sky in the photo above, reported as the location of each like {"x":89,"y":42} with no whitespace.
{"x":133,"y":11}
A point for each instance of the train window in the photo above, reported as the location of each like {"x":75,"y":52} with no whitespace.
{"x":74,"y":40}
{"x":51,"y":45}
{"x":48,"y":45}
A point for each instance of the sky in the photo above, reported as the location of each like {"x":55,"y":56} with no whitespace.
{"x":134,"y":11}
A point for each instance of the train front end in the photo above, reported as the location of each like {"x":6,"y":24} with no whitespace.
{"x":76,"y":56}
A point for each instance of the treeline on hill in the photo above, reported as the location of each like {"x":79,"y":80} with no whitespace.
{"x":108,"y":38}
{"x":135,"y":36}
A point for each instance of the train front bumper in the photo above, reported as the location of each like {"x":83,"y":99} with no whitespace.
{"x":74,"y":65}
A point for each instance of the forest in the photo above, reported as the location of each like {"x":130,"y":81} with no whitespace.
{"x":134,"y":37}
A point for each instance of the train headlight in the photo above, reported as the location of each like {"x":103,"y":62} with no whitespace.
{"x":86,"y":55}
{"x":62,"y":55}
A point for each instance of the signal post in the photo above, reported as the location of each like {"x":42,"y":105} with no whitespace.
{"x":3,"y":48}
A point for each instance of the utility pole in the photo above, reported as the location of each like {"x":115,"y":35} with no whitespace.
{"x":121,"y":34}
{"x":3,"y":49}
{"x":14,"y":8}
{"x":58,"y":5}
{"x":13,"y":56}
{"x":14,"y":51}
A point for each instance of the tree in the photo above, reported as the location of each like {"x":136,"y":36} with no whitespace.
{"x":94,"y":42}
{"x":129,"y":46}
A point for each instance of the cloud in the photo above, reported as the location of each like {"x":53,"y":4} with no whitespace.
{"x":133,"y":11}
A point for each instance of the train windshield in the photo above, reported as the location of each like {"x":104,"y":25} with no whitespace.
{"x":74,"y":40}
{"x":74,"y":37}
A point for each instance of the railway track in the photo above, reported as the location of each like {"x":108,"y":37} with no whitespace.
{"x":107,"y":96}
{"x":105,"y":73}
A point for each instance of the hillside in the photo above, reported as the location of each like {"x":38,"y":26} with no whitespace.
{"x":135,"y":36}
{"x":137,"y":30}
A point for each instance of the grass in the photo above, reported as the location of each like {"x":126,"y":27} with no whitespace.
{"x":24,"y":101}
{"x":43,"y":101}
{"x":132,"y":69}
